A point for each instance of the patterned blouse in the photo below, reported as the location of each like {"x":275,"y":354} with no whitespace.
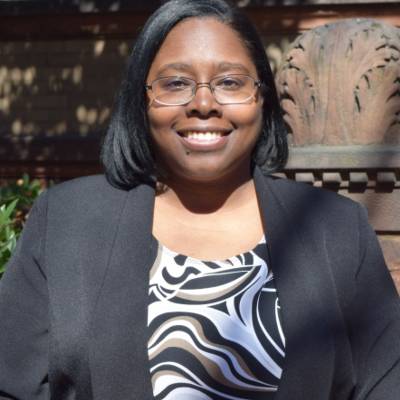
{"x":215,"y":330}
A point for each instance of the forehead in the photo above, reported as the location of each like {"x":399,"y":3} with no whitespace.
{"x":202,"y":46}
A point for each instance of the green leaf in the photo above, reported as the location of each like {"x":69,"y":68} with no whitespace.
{"x":16,"y":199}
{"x":9,"y":209}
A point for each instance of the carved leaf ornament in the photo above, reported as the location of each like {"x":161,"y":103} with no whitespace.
{"x":340,"y":84}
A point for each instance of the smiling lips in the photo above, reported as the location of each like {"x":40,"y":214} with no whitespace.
{"x":205,"y":140}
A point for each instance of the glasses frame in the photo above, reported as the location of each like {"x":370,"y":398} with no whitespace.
{"x":196,"y":85}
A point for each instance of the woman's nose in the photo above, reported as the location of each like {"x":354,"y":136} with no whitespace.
{"x":203,"y":102}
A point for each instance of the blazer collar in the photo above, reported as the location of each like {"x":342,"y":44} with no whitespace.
{"x":118,"y":352}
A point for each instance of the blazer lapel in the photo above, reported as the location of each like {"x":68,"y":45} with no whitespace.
{"x":297,"y":266}
{"x":118,"y":353}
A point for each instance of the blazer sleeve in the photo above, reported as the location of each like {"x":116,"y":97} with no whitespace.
{"x":24,"y":317}
{"x":374,"y":322}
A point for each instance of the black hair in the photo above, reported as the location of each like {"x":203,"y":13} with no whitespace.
{"x":126,"y":150}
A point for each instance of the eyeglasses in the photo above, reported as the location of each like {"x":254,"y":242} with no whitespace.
{"x":227,"y":89}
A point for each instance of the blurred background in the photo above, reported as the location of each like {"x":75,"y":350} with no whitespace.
{"x":337,"y":66}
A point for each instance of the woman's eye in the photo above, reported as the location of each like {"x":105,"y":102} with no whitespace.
{"x":229,"y":84}
{"x":175,"y":84}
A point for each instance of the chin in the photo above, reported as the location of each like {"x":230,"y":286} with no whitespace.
{"x":205,"y":168}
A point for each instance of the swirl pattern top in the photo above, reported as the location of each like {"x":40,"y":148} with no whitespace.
{"x":215,"y":330}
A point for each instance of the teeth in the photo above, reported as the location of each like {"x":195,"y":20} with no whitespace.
{"x":206,"y":136}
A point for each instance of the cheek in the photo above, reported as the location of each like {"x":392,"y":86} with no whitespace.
{"x":247,"y":118}
{"x":161,"y":119}
{"x":161,"y":122}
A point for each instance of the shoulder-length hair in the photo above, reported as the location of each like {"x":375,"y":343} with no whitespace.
{"x":126,"y":150}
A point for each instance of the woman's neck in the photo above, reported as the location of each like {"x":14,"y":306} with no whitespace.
{"x":212,"y":196}
{"x":208,"y":220}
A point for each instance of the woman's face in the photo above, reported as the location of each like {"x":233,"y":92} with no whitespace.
{"x":203,"y":140}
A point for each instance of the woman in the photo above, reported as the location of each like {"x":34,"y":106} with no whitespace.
{"x":190,"y":273}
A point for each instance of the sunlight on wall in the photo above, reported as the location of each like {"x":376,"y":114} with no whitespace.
{"x":58,"y":129}
{"x":60,"y":87}
{"x":77,"y":73}
{"x":88,"y":117}
{"x":18,"y":127}
{"x":98,"y":47}
{"x":123,"y":49}
{"x":14,"y":81}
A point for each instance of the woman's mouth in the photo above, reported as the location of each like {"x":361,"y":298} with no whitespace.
{"x":204,"y":140}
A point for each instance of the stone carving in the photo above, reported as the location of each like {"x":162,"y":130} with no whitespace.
{"x":340,"y":84}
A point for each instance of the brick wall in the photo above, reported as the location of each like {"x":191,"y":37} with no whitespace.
{"x":58,"y":87}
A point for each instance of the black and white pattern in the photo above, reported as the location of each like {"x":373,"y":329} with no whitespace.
{"x":215,"y":330}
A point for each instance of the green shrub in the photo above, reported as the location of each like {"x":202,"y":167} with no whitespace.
{"x":8,"y":233}
{"x":16,"y":199}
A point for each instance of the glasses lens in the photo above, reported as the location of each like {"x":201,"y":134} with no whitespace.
{"x":173,"y":90}
{"x":233,"y":88}
{"x":229,"y":89}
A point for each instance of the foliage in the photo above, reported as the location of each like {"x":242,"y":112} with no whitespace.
{"x":8,"y":233}
{"x":16,"y":199}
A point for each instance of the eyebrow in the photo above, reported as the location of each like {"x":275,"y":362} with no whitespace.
{"x":222,"y":67}
{"x":182,"y":67}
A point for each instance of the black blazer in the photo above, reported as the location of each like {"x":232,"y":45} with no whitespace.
{"x":73,"y":302}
